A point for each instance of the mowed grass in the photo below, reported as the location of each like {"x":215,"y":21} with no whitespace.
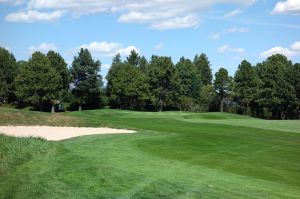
{"x":173,"y":155}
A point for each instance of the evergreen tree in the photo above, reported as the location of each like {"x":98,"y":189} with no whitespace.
{"x":203,"y":68}
{"x":143,"y":66}
{"x":133,"y":59}
{"x":246,"y":85}
{"x":8,"y":71}
{"x":86,"y":79}
{"x":163,"y":86}
{"x":221,"y":84}
{"x":59,"y":64}
{"x":187,"y":76}
{"x":111,"y":75}
{"x":276,"y":93}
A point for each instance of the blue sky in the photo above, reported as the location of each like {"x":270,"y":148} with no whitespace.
{"x":228,"y":31}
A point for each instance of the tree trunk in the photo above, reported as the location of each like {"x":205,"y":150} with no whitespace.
{"x":80,"y":107}
{"x":222,"y":105}
{"x":52,"y":108}
{"x":247,"y":107}
{"x":40,"y":106}
{"x":161,"y":104}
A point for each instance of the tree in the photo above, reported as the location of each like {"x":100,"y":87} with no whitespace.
{"x":207,"y":95}
{"x":8,"y":71}
{"x":59,"y":64}
{"x":246,"y":85}
{"x":37,"y":82}
{"x":162,"y":83}
{"x":133,"y":59}
{"x":203,"y":68}
{"x":143,"y":66}
{"x":276,"y":92}
{"x":86,"y":79}
{"x":294,"y":78}
{"x":111,"y":75}
{"x":221,"y":85}
{"x":187,"y":77}
{"x":129,"y":87}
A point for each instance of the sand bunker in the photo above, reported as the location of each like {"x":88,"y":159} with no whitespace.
{"x":57,"y":133}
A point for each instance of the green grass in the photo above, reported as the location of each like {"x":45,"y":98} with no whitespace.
{"x":173,"y":155}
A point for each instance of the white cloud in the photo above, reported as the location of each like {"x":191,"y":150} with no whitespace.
{"x":107,"y":49}
{"x":227,"y":49}
{"x":178,"y":22}
{"x":158,"y":46}
{"x":296,"y":46}
{"x":233,"y":13}
{"x":287,"y":7}
{"x":292,"y":51}
{"x":215,"y":36}
{"x":33,"y":16}
{"x":44,"y":48}
{"x":236,"y":29}
{"x":158,"y":14}
{"x":126,"y":51}
{"x":218,"y":35}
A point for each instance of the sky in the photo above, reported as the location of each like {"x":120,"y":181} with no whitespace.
{"x":227,"y":31}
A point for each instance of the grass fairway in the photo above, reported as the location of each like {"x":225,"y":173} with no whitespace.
{"x":173,"y":155}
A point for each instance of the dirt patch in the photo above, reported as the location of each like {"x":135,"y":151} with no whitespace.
{"x":57,"y":133}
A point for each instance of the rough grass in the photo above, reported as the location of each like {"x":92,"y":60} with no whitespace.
{"x":17,"y":151}
{"x":174,"y":155}
{"x":9,"y":116}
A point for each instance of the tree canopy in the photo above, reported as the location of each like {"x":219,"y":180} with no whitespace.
{"x":86,"y":79}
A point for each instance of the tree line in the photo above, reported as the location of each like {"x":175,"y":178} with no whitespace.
{"x":270,"y":89}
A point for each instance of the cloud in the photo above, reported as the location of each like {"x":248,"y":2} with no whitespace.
{"x":126,"y":51}
{"x":228,"y":49}
{"x":107,"y":49}
{"x":44,"y":48}
{"x":158,"y":46}
{"x":296,"y":46}
{"x":218,"y":35}
{"x":290,"y":52}
{"x":233,"y":13}
{"x":33,"y":16}
{"x":236,"y":29}
{"x":176,"y":23}
{"x":157,"y":14}
{"x":287,"y":7}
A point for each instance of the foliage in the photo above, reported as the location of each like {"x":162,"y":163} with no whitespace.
{"x":129,"y":88}
{"x":221,"y":84}
{"x":8,"y":70}
{"x":86,"y":79}
{"x":207,"y":95}
{"x":276,"y":93}
{"x":203,"y":68}
{"x":163,"y":82}
{"x":59,"y":64}
{"x":37,"y":82}
{"x":246,"y":85}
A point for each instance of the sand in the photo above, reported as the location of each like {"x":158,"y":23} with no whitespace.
{"x":57,"y":133}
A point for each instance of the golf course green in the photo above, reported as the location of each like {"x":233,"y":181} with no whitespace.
{"x":172,"y":155}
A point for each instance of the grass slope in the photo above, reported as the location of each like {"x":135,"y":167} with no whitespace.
{"x":174,"y":155}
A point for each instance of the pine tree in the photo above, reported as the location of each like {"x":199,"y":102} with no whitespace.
{"x":86,"y":79}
